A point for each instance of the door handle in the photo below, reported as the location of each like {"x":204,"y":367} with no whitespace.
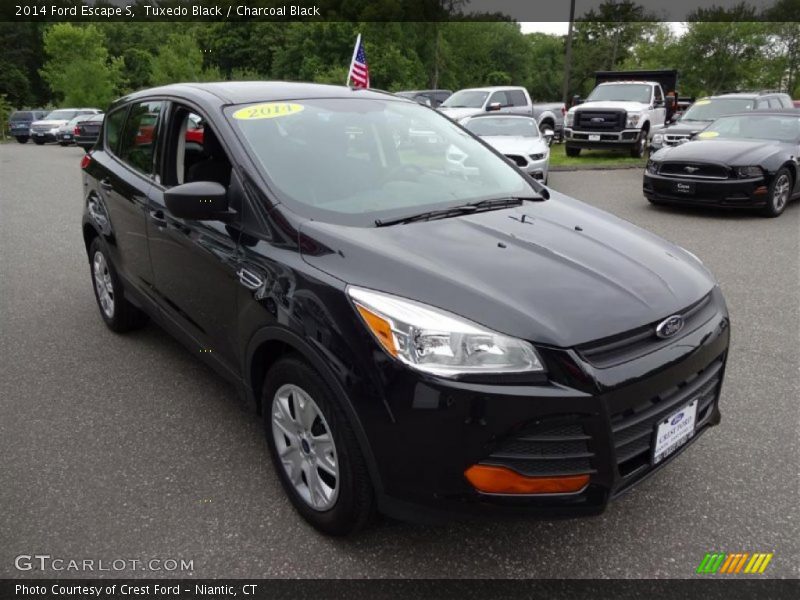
{"x":249,"y":279}
{"x":106,"y":184}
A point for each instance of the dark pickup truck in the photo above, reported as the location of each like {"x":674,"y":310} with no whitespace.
{"x":19,"y":123}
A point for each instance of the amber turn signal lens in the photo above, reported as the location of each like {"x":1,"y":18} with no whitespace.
{"x":380,"y":327}
{"x":499,"y":480}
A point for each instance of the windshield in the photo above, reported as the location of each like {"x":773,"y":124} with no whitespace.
{"x":61,"y":115}
{"x":466,"y":99}
{"x":621,"y":92}
{"x":511,"y":126}
{"x":782,"y":128}
{"x":352,"y":161}
{"x":21,"y":115}
{"x":709,"y":109}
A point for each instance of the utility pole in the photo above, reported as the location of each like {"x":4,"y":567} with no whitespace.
{"x":568,"y":55}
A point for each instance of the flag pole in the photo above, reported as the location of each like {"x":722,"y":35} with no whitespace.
{"x":353,"y":60}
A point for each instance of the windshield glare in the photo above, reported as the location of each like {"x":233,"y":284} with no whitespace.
{"x":708,"y":110}
{"x":506,"y":126}
{"x":764,"y":127}
{"x":621,"y":92}
{"x":352,"y":161}
{"x":61,"y":115}
{"x":466,"y":99}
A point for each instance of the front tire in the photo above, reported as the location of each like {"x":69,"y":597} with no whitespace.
{"x":638,"y":149}
{"x":38,"y":142}
{"x":118,"y":313}
{"x":314,"y":449}
{"x":22,"y":139}
{"x":780,"y":191}
{"x":572,"y":151}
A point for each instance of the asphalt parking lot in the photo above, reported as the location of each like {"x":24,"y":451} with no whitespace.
{"x":127,"y":447}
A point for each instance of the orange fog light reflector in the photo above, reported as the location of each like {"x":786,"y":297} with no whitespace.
{"x":500,"y":480}
{"x":762,"y":189}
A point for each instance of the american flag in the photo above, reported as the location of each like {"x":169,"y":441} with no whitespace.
{"x":359,"y":71}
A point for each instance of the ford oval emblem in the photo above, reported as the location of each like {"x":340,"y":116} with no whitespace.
{"x":676,"y":419}
{"x":669,"y":326}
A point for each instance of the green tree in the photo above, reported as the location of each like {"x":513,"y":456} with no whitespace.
{"x":181,"y":59}
{"x":5,"y":112}
{"x":79,"y":69}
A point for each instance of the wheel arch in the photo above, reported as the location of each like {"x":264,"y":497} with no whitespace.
{"x":89,"y":233}
{"x":271,"y":343}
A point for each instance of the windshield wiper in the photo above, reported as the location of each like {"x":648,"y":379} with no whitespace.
{"x":461,"y":209}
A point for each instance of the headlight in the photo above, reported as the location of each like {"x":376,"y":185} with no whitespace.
{"x":538,"y":156}
{"x":652,"y":166}
{"x":658,"y":138}
{"x":570,"y":119}
{"x":633,"y":119}
{"x":434,"y":341}
{"x":748,"y":172}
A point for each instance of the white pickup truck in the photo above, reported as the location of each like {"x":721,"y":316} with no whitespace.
{"x":621,"y":113}
{"x":513,"y":100}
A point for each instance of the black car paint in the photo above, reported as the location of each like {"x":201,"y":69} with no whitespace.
{"x":240,"y":293}
{"x":770,"y":155}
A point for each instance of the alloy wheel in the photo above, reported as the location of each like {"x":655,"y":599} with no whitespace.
{"x":103,"y":284}
{"x":780,"y":194}
{"x":305,"y":446}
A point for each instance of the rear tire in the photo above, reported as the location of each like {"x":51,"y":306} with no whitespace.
{"x":780,"y":192}
{"x":118,"y":314}
{"x":22,"y":139}
{"x":38,"y":142}
{"x":314,"y":449}
{"x":572,"y":151}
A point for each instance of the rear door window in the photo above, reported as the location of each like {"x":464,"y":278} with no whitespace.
{"x":140,"y":135}
{"x":517,"y":98}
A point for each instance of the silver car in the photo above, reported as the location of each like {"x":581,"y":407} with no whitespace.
{"x":518,"y":138}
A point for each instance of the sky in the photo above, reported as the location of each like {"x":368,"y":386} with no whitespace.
{"x":561,"y":27}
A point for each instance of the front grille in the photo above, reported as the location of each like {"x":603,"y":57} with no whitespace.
{"x":694,"y":170}
{"x":520,"y":160}
{"x":633,"y":428}
{"x":41,"y":128}
{"x":638,"y":342}
{"x":673,"y":139}
{"x":553,"y":446}
{"x":600,"y":120}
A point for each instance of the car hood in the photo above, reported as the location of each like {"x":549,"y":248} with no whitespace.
{"x":689,"y":127}
{"x":51,"y":122}
{"x":729,"y":152}
{"x":506,"y":144}
{"x":456,"y":114}
{"x":557,"y":272}
{"x":612,"y":104}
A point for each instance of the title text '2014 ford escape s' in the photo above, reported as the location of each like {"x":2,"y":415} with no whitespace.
{"x":419,"y":342}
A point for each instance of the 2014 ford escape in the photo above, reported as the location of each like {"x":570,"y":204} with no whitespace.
{"x":418,"y":341}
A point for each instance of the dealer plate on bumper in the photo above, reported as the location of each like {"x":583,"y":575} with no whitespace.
{"x":594,"y":138}
{"x":674,"y":431}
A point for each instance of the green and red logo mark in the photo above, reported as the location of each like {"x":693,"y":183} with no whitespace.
{"x":731,"y":564}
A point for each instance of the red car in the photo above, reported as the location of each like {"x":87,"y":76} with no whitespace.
{"x":797,"y":103}
{"x":194,"y":130}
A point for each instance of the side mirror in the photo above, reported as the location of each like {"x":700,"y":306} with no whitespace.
{"x":548,"y":135}
{"x":576,"y":100}
{"x":198,"y":200}
{"x":658,"y":103}
{"x":493,"y":106}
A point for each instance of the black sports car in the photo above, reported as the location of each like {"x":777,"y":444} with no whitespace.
{"x":744,"y":160}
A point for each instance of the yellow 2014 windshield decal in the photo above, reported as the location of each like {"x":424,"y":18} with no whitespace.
{"x":708,"y":134}
{"x":270,"y":110}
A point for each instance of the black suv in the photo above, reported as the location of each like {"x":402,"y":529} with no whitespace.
{"x":417,"y":341}
{"x":706,"y":110}
{"x":19,"y":123}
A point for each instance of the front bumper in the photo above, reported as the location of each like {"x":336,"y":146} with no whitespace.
{"x":594,"y":420}
{"x":745,"y":193}
{"x":586,"y":139}
{"x":538,"y":169}
{"x":47,"y":136}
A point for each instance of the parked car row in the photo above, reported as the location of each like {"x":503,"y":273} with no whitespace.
{"x":61,"y":125}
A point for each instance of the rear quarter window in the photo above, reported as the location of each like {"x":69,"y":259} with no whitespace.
{"x":114,"y":123}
